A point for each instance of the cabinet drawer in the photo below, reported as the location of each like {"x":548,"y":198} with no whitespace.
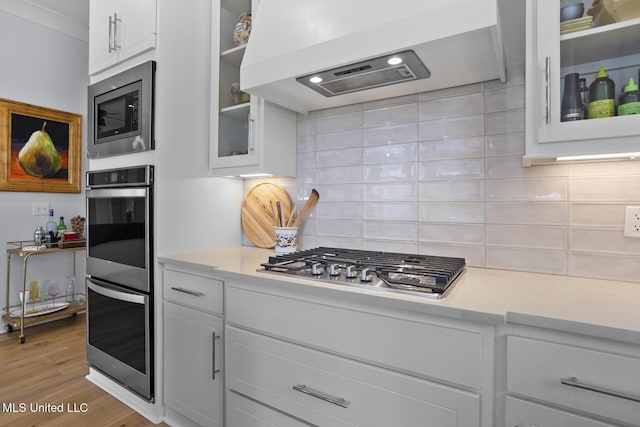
{"x":195,"y":291}
{"x":536,"y":369}
{"x":451,"y":354}
{"x":243,"y":412}
{"x":528,"y":414}
{"x":334,"y":391}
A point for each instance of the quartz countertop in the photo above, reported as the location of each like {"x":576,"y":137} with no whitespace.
{"x":601,"y":308}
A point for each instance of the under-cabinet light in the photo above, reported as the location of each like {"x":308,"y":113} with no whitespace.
{"x":598,"y":157}
{"x":255,"y":175}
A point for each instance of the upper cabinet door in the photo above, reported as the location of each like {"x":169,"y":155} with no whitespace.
{"x":550,"y":57}
{"x":119,"y":30}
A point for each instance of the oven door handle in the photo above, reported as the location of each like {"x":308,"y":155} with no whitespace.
{"x":116,"y":294}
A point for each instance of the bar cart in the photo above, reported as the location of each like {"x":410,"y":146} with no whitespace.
{"x":19,"y":316}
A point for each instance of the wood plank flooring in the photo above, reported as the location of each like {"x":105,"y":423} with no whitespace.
{"x":49,"y":370}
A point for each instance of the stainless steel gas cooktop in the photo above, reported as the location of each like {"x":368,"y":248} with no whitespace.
{"x":425,"y":275}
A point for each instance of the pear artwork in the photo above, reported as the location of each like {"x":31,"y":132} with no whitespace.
{"x":39,"y":156}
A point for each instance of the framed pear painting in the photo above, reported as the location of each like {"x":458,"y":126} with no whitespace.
{"x":39,"y":149}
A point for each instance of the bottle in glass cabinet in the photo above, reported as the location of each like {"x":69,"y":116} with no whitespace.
{"x":630,"y":100}
{"x":602,"y":96}
{"x":571,"y":100}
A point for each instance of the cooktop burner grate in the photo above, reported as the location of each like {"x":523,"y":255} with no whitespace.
{"x":423,"y":274}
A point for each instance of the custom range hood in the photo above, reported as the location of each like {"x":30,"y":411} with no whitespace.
{"x":315,"y":54}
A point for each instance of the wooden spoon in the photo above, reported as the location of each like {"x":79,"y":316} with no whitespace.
{"x":311,"y":202}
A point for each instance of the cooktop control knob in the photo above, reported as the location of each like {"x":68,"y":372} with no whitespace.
{"x":334,"y":270}
{"x":317,"y":269}
{"x":351,"y":272}
{"x":365,"y":276}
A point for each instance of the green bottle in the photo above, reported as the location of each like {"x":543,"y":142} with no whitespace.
{"x":602,"y":96}
{"x":61,"y":228}
{"x":630,"y":101}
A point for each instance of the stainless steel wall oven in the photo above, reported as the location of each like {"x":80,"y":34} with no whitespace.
{"x":119,"y":205}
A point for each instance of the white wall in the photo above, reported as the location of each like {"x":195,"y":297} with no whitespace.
{"x":440,"y":173}
{"x":49,"y":69}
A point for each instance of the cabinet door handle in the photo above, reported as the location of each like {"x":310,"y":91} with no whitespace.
{"x":113,"y":34}
{"x":188,"y":291}
{"x":214,"y":371}
{"x":251,"y":120}
{"x":574,"y":382}
{"x":547,"y":83}
{"x":340,"y":401}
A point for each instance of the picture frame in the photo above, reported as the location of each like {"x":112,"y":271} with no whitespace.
{"x":52,"y":160}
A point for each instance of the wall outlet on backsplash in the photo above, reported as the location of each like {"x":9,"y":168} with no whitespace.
{"x":632,"y":221}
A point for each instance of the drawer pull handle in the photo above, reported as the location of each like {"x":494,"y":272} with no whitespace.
{"x":188,"y":291}
{"x":320,"y":395}
{"x":573,"y":382}
{"x":213,"y":357}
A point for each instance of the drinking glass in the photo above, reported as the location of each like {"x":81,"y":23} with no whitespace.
{"x":43,"y":292}
{"x":33,"y":294}
{"x":54,"y":290}
{"x":24,"y":297}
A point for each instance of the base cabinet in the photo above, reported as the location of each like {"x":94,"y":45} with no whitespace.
{"x":244,"y":412}
{"x":521,"y":413}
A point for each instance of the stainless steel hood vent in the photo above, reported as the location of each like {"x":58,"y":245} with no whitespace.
{"x":382,"y":71}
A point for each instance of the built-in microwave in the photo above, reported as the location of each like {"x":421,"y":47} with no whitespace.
{"x":120,"y":113}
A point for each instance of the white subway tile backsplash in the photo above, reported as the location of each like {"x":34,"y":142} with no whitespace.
{"x":456,"y":212}
{"x":472,"y":234}
{"x":602,"y":240}
{"x":390,"y":172}
{"x":339,"y":123}
{"x":452,"y":190}
{"x":528,"y":236}
{"x":391,"y":230}
{"x":392,"y":115}
{"x":452,"y":169}
{"x":394,"y":153}
{"x":457,"y":127}
{"x":393,"y":134}
{"x":391,"y":211}
{"x":510,"y":144}
{"x":530,"y":189}
{"x":535,"y":260}
{"x":339,"y":140}
{"x":332,"y":158}
{"x":390,"y":192}
{"x":460,"y":148}
{"x":538,"y":213}
{"x":441,"y":173}
{"x":451,"y":107}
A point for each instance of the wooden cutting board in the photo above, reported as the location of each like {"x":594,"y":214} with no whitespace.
{"x":257,"y":216}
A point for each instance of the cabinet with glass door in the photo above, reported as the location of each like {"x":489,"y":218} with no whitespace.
{"x":555,"y":52}
{"x":248,"y":135}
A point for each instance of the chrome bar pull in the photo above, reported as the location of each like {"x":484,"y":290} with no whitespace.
{"x":188,"y":291}
{"x":115,"y":31}
{"x":574,"y":382}
{"x":111,"y":48}
{"x":214,"y":371}
{"x":548,"y":88}
{"x":321,"y":395}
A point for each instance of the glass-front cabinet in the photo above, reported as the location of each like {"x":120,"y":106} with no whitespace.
{"x":571,"y":54}
{"x":248,"y":135}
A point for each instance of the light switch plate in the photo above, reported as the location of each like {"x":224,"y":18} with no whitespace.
{"x":632,"y":221}
{"x":41,"y":208}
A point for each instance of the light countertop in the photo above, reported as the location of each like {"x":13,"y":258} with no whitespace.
{"x":601,"y":308}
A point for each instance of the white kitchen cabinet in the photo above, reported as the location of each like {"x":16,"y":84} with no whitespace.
{"x":595,"y":380}
{"x":193,"y":349}
{"x":324,"y":361}
{"x":551,"y":56}
{"x":243,"y":412}
{"x":247,"y":136}
{"x":521,"y":413}
{"x":119,"y":30}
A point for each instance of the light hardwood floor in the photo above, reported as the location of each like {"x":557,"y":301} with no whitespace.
{"x":49,"y":369}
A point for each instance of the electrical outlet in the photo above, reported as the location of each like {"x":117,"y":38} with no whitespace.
{"x":41,"y":208}
{"x":632,"y":221}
